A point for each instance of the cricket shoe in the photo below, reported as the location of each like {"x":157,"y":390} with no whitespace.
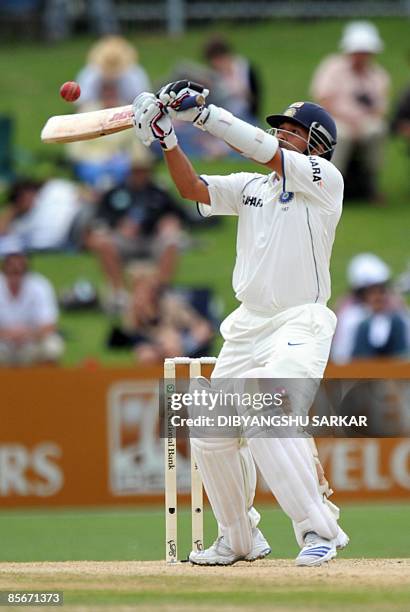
{"x":260,"y":546}
{"x":316,"y":550}
{"x":341,"y":540}
{"x":221,"y":554}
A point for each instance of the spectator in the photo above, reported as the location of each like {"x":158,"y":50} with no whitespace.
{"x":57,"y":18}
{"x":354,"y":89}
{"x":44,"y":217}
{"x":372,"y":320}
{"x":159,"y":322}
{"x":400,"y":124}
{"x":28,"y":313}
{"x":103,"y":163}
{"x":236,"y":77}
{"x":112,"y":59}
{"x":136,"y":220}
{"x":233,"y":84}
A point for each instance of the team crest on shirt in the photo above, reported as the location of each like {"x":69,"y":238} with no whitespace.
{"x":286,"y":197}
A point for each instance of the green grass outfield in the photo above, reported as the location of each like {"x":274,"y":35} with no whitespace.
{"x":104,"y":560}
{"x":286,"y":54}
{"x":377,"y":531}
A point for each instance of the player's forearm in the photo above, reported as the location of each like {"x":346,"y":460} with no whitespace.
{"x":184,"y":176}
{"x":250,"y":141}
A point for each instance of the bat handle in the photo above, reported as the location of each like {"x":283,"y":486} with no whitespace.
{"x":191,"y":102}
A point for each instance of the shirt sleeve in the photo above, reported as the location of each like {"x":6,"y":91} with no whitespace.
{"x":314,"y":176}
{"x":225,"y":193}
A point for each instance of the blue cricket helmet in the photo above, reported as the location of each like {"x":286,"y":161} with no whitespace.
{"x":314,"y":118}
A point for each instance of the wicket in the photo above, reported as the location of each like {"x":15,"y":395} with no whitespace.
{"x":171,"y":492}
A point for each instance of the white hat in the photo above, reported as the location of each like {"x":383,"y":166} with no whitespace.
{"x":365,"y":270}
{"x":113,"y":55}
{"x":361,"y":36}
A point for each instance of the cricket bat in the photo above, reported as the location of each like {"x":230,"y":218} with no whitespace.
{"x":85,"y":126}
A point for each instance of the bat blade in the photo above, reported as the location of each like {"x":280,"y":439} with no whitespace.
{"x":85,"y":126}
{"x":93,"y":124}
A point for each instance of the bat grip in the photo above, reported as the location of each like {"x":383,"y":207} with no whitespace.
{"x":191,"y":102}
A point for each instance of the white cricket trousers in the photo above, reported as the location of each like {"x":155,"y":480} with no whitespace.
{"x":293,"y":343}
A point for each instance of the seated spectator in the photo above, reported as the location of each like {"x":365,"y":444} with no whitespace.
{"x":137,"y":220}
{"x":28,"y":313}
{"x":161,"y":323}
{"x":400,"y":124}
{"x":235,"y":78}
{"x":46,"y":216}
{"x":373,"y":321}
{"x":112,"y":59}
{"x":103,"y":163}
{"x":354,"y":89}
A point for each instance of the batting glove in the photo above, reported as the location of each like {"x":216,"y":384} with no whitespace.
{"x":181,"y":100}
{"x":152,"y":122}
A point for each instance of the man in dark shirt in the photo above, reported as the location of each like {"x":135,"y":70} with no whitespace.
{"x":400,"y":124}
{"x":136,"y":220}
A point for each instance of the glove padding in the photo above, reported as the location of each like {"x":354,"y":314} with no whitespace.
{"x":173,"y":95}
{"x":152,"y":122}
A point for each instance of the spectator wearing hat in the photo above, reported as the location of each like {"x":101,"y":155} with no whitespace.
{"x":373,"y":321}
{"x":28,"y":313}
{"x":114,"y":60}
{"x":355,"y":90}
{"x":112,"y":77}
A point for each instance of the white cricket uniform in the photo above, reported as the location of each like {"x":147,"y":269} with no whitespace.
{"x":286,"y":229}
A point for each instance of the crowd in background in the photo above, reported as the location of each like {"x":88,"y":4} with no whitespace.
{"x":115,"y":209}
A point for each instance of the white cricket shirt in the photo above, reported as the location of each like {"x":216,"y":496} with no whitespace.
{"x":286,"y":229}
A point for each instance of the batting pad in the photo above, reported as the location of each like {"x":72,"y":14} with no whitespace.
{"x":307,"y":449}
{"x":247,"y":463}
{"x":291,"y":477}
{"x":220,"y":465}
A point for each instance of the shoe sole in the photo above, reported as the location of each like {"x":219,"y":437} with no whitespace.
{"x":215,"y":564}
{"x":262,"y":555}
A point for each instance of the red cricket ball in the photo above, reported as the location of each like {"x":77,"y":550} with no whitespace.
{"x":70,"y":91}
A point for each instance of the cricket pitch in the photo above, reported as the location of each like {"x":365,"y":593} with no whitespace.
{"x":382,"y":585}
